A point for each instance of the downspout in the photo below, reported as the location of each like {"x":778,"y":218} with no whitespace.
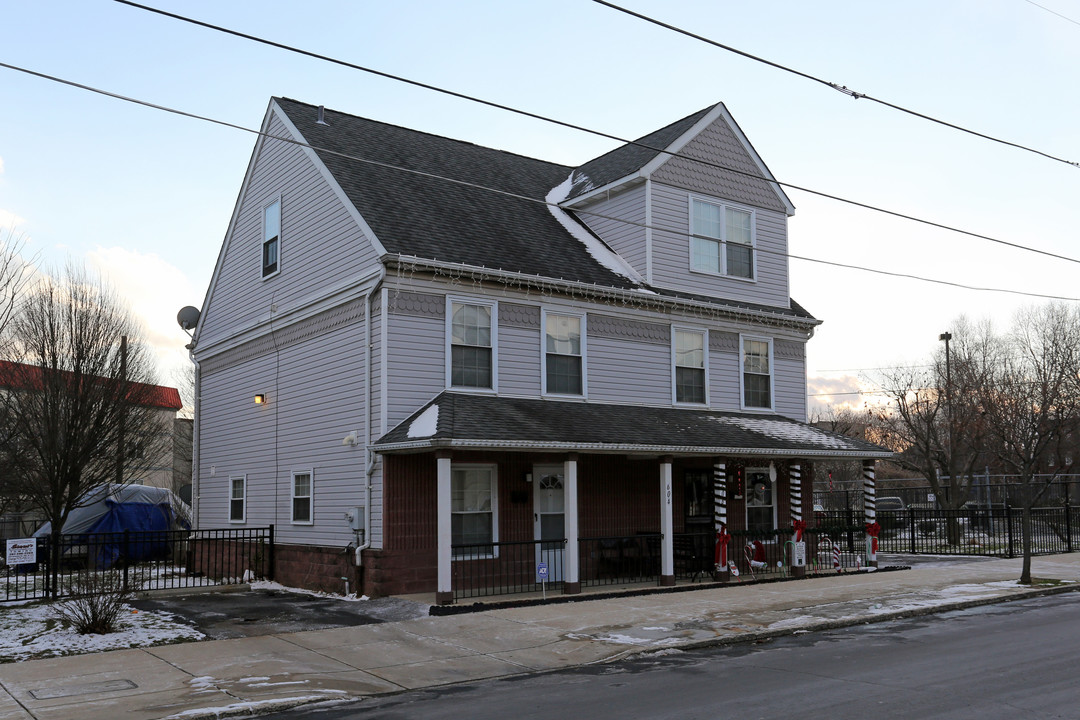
{"x":196,"y":425}
{"x":370,"y":469}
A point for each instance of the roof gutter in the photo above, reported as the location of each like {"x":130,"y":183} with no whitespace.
{"x":640,"y":295}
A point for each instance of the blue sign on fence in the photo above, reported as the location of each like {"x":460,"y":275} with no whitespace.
{"x":542,"y":571}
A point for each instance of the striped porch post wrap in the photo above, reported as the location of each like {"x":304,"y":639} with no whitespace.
{"x":720,"y":496}
{"x":795,"y":484}
{"x":869,"y":492}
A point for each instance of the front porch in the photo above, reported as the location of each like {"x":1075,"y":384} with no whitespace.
{"x":481,"y":508}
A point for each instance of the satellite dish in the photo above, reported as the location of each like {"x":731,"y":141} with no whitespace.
{"x":188,"y":317}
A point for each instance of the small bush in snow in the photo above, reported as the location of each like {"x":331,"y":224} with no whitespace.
{"x":97,"y":601}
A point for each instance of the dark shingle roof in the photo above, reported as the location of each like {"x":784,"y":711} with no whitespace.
{"x":630,"y":158}
{"x":434,"y":219}
{"x":428,"y":217}
{"x":485,"y":421}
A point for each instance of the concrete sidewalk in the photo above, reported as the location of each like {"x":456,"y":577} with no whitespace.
{"x":246,"y":676}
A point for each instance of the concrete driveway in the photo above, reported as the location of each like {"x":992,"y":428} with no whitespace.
{"x":247,"y":613}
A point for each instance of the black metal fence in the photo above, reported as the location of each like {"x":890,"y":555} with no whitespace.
{"x":152,"y":560}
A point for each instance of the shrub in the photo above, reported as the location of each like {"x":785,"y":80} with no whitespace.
{"x":926,"y":527}
{"x":96,"y":601}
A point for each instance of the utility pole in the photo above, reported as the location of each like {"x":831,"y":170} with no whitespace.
{"x":121,"y":449}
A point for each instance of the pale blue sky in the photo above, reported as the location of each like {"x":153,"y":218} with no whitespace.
{"x":147,"y":195}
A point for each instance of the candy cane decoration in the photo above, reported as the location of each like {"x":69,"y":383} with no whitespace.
{"x":870,"y":512}
{"x":795,"y":484}
{"x":720,"y":517}
{"x":836,"y":557}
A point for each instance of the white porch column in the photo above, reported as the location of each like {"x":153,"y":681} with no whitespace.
{"x":572,"y":570}
{"x":444,"y":594}
{"x":667,"y":525}
{"x":870,"y":510}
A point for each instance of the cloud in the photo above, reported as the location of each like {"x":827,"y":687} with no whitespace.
{"x":10,"y":220}
{"x":155,"y":290}
{"x":1,"y":164}
{"x":843,"y":391}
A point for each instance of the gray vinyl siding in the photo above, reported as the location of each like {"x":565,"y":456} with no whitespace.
{"x":416,"y":352}
{"x":320,"y":243}
{"x":789,"y":377}
{"x":625,"y":238}
{"x":315,"y":396}
{"x":671,"y":253}
{"x":519,"y":361}
{"x":724,"y":386}
{"x":625,"y":371}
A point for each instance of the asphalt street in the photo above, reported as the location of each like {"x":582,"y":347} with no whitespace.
{"x":1007,"y":661}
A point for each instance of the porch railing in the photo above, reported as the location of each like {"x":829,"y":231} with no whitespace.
{"x":505,"y":568}
{"x":620,"y":560}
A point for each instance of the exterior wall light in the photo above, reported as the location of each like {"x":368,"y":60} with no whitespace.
{"x":260,"y":399}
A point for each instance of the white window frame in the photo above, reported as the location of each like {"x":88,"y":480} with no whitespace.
{"x":742,"y":374}
{"x":293,"y":497}
{"x":722,"y":241}
{"x":544,"y":312}
{"x":675,"y":329}
{"x":265,"y":240}
{"x":747,"y":492}
{"x":231,"y":499}
{"x":494,"y":468}
{"x":493,"y":306}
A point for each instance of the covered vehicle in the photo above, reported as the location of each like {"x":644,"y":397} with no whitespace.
{"x":96,"y":529}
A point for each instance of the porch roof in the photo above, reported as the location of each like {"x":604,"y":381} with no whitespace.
{"x":488,"y":422}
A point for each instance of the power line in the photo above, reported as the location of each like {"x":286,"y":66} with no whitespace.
{"x":1042,"y":7}
{"x":599,"y":133}
{"x":840,"y":88}
{"x":496,"y":191}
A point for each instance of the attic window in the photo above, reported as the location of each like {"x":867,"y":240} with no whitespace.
{"x":271,"y":243}
{"x":722,"y":239}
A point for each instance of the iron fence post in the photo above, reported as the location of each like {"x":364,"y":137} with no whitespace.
{"x":270,"y":556}
{"x":125,"y":559}
{"x":1008,"y":523}
{"x":911,"y":515}
{"x":1068,"y":521}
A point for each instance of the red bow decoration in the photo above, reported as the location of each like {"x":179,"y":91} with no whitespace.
{"x":799,"y":526}
{"x":722,"y":540}
{"x":873,"y":529}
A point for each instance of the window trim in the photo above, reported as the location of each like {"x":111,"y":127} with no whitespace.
{"x":310,"y":497}
{"x":746,"y":491}
{"x":722,"y":242}
{"x":265,"y":240}
{"x":494,"y":468}
{"x":493,"y":305}
{"x":243,"y":500}
{"x":704,"y":333}
{"x":742,"y":374}
{"x":582,"y":316}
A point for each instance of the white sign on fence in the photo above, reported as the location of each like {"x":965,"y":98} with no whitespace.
{"x":798,"y":554}
{"x":931,"y":497}
{"x":22,"y":551}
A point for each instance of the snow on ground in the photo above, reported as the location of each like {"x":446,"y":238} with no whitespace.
{"x":267,"y":585}
{"x":29,"y":632}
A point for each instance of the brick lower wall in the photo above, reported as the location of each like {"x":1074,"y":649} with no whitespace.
{"x":316,"y":568}
{"x":401,"y":572}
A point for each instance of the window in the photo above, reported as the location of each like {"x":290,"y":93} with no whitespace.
{"x":271,"y":242}
{"x":760,"y":501}
{"x":564,"y":370}
{"x":722,"y":239}
{"x":689,"y":351}
{"x":472,"y":341}
{"x":472,"y":508}
{"x":301,"y":498}
{"x":237,"y":495}
{"x":757,"y":373}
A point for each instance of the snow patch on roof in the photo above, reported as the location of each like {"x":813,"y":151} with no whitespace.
{"x":426,"y":425}
{"x":600,"y":252}
{"x":789,"y":431}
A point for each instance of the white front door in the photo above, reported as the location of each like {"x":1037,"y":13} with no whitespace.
{"x":548,"y":518}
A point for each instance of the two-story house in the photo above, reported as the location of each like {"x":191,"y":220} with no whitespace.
{"x":434,"y":366}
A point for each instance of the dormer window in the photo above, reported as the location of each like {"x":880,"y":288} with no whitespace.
{"x":722,"y":239}
{"x":271,"y":243}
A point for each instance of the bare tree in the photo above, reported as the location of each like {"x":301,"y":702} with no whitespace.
{"x":1032,"y":404}
{"x":934,"y":421}
{"x":14,"y":274}
{"x":77,"y":394}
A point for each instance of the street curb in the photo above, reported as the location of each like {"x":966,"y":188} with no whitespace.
{"x":748,"y":637}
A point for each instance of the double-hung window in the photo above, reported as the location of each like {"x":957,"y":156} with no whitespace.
{"x":564,"y":357}
{"x":722,"y":239}
{"x":271,"y":238}
{"x":472,"y":345}
{"x":760,"y":501}
{"x":237,"y":499}
{"x":301,"y":498}
{"x":757,"y":373}
{"x":689,"y":354}
{"x":473,"y":504}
